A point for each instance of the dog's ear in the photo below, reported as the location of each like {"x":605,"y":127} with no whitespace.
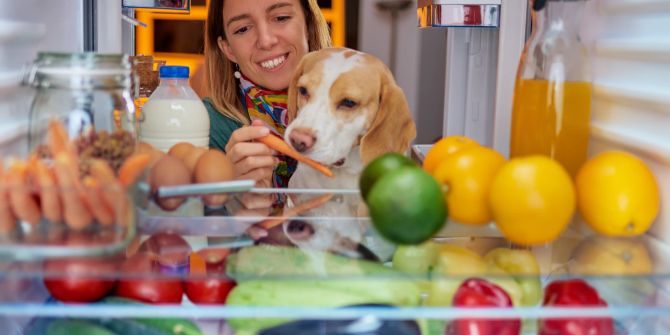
{"x":392,"y":128}
{"x":293,"y":89}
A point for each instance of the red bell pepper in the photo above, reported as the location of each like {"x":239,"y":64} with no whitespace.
{"x":575,"y":293}
{"x":476,"y":292}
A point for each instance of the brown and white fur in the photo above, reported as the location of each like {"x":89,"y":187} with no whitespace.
{"x":345,"y":109}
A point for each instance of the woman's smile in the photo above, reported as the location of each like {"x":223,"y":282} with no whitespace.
{"x":274,"y":64}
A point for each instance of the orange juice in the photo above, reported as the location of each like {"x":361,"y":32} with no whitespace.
{"x":552,"y":118}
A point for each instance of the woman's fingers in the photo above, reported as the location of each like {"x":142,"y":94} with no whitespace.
{"x":246,"y":134}
{"x":243,"y":150}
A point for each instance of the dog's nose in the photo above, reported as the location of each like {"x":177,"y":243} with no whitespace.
{"x":301,"y":139}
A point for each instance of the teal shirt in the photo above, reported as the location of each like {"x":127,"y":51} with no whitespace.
{"x":220,"y":127}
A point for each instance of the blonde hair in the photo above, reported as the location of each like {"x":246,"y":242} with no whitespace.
{"x":222,"y":85}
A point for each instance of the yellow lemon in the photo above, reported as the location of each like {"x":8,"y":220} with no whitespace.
{"x":532,"y":200}
{"x":443,"y":148}
{"x":469,"y":173}
{"x":617,"y":194}
{"x":600,"y":255}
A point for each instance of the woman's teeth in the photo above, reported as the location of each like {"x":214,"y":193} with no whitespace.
{"x":273,"y":63}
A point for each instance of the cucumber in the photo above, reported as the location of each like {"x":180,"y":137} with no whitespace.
{"x":148,"y":326}
{"x":76,"y":327}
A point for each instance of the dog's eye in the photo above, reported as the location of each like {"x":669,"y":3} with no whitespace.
{"x":347,"y":104}
{"x":303,"y":91}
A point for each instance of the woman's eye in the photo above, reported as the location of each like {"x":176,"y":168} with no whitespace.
{"x":241,"y":30}
{"x":303,"y":91}
{"x":282,"y":18}
{"x":347,"y":104}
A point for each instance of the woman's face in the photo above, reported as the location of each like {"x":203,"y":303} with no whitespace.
{"x":266,"y":38}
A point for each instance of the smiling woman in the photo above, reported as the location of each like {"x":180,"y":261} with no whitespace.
{"x":252,"y":48}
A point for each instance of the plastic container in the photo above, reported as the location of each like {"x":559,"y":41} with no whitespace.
{"x":552,"y":99}
{"x":174,"y":113}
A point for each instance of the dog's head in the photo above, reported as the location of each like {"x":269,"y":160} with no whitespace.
{"x":339,"y":99}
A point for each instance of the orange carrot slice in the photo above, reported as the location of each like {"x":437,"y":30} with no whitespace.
{"x":75,"y":212}
{"x":278,"y":144}
{"x":7,"y":217}
{"x":48,"y":190}
{"x":132,"y":168}
{"x":295,"y":211}
{"x":113,"y":193}
{"x":21,"y":198}
{"x":96,"y":204}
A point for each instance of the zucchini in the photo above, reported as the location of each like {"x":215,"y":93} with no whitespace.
{"x":76,"y":327}
{"x":148,"y":326}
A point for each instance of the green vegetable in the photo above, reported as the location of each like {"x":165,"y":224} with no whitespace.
{"x":276,"y":261}
{"x":76,"y":327}
{"x":148,"y":326}
{"x":271,"y":276}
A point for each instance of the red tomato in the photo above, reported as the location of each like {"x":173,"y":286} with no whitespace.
{"x":170,"y":250}
{"x":142,"y":281}
{"x":213,"y":286}
{"x":79,"y":279}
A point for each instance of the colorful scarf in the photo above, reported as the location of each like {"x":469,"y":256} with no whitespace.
{"x":271,"y":108}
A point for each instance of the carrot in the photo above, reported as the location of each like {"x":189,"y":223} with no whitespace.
{"x":111,"y":190}
{"x":295,"y":211}
{"x":132,"y":168}
{"x":7,"y":217}
{"x":197,"y":264}
{"x":278,"y":144}
{"x":48,"y":190}
{"x":23,"y":202}
{"x":94,"y":199}
{"x":75,"y":212}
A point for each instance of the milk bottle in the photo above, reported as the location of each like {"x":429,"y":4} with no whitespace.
{"x":174,"y":113}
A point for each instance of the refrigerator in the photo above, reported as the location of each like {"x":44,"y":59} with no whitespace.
{"x":352,"y":288}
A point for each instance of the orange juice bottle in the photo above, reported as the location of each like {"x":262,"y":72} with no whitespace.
{"x":552,"y":97}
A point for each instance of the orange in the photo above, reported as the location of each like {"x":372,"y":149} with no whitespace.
{"x":469,"y":173}
{"x":443,"y":148}
{"x":532,"y":200}
{"x":617,"y":194}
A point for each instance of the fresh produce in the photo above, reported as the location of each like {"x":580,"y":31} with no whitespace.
{"x":331,"y":292}
{"x":168,"y":250}
{"x":76,"y":327}
{"x":279,"y":145}
{"x":443,"y":148}
{"x":416,"y":259}
{"x":407,"y":206}
{"x":142,"y":282}
{"x":617,"y":194}
{"x":209,"y":284}
{"x":79,"y":280}
{"x":379,"y":167}
{"x":574,"y":293}
{"x":476,"y":292}
{"x":268,"y":260}
{"x":455,"y":264}
{"x":523,"y":267}
{"x":599,"y":255}
{"x":147,"y":326}
{"x":532,"y":200}
{"x":468,"y":173}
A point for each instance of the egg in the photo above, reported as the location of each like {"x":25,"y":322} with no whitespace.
{"x":214,"y":166}
{"x":192,"y":157}
{"x":181,"y":150}
{"x":169,"y":171}
{"x":154,"y":154}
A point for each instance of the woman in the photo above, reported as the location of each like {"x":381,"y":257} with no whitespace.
{"x":252,"y":48}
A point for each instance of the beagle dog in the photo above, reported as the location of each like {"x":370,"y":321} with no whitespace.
{"x":344,"y":109}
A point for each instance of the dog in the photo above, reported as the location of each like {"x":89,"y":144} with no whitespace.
{"x":344,"y":110}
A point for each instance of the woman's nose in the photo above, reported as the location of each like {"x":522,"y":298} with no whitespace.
{"x":266,"y":37}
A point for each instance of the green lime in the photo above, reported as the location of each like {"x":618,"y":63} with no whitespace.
{"x":379,"y":167}
{"x":407,"y":206}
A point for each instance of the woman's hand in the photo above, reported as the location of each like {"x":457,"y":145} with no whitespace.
{"x":251,"y":160}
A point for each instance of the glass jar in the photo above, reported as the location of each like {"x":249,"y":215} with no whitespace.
{"x":91,"y":95}
{"x":552,"y":99}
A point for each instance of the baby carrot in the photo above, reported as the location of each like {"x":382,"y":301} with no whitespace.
{"x":295,"y":211}
{"x":278,"y":144}
{"x":132,"y":168}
